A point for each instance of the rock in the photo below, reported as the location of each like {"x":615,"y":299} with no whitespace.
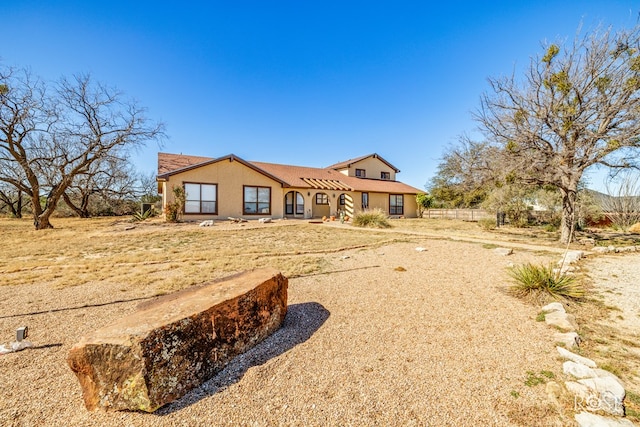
{"x":586,"y":419}
{"x":609,"y":391}
{"x":207,"y":223}
{"x":569,"y":339}
{"x":600,"y":249}
{"x":264,"y":220}
{"x":561,"y":320}
{"x":579,"y":390}
{"x":503,"y":251}
{"x":174,"y":344}
{"x":421,"y":249}
{"x":627,"y":249}
{"x":566,"y":354}
{"x":554,"y":306}
{"x":578,"y":370}
{"x":554,"y":391}
{"x":571,"y":257}
{"x":588,"y":241}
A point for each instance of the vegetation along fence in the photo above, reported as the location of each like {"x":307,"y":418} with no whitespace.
{"x":463,"y":214}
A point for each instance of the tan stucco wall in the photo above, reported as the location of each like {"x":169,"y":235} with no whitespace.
{"x":381,"y":201}
{"x":373,"y":168}
{"x":230,"y":176}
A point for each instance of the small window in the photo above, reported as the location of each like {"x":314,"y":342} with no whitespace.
{"x":200,"y":198}
{"x":385,"y":175}
{"x":361,"y":173}
{"x":257,"y":200}
{"x":341,"y":200}
{"x":396,"y":204}
{"x":322,"y":199}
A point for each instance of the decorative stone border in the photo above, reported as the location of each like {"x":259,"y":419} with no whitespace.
{"x":594,"y":390}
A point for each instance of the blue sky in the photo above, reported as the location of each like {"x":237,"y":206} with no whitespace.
{"x":299,"y":82}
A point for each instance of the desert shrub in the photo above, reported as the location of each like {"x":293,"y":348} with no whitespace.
{"x":173,"y":210}
{"x":487,"y":223}
{"x":531,"y":280}
{"x":375,"y":218}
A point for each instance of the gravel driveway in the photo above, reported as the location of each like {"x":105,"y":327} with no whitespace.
{"x":389,"y":336}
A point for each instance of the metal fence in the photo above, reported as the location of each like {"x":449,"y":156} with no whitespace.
{"x":462,"y":214}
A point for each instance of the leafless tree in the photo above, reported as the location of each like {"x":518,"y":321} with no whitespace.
{"x":575,"y":107}
{"x":11,"y":200}
{"x":621,"y":203}
{"x":50,"y":136}
{"x":110,"y":181}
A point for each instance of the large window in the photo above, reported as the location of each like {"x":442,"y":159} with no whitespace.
{"x":257,"y":200}
{"x":200,"y":198}
{"x":322,"y":199}
{"x":396,"y":204}
{"x":361,"y":173}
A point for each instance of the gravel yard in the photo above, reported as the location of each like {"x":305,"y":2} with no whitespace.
{"x":435,"y":342}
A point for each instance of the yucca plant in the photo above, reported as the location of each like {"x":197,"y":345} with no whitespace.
{"x":375,"y":218}
{"x":531,"y":280}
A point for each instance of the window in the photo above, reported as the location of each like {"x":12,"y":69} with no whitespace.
{"x":341,"y":200}
{"x":396,"y":204}
{"x":200,"y":198}
{"x":257,"y":200}
{"x":361,"y":173}
{"x":322,"y":199}
{"x":385,"y":175}
{"x":290,"y":206}
{"x":365,"y":200}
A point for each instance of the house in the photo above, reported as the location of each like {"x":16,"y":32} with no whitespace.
{"x":222,"y":187}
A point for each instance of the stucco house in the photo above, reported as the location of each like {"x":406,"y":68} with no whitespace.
{"x":228,"y":186}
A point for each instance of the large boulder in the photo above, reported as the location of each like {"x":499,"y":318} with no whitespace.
{"x":174,"y":344}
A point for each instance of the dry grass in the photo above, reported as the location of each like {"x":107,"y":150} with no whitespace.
{"x":172,"y":256}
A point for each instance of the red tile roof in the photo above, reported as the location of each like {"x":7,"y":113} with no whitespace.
{"x":169,"y":162}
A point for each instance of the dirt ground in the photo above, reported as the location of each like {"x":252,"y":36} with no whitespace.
{"x":386,"y":335}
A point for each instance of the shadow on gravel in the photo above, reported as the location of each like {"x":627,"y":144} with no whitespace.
{"x":301,"y":322}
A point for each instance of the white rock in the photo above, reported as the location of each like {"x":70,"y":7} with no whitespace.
{"x":566,"y":354}
{"x":503,"y":251}
{"x":600,"y":249}
{"x":586,"y":419}
{"x":579,"y":390}
{"x":554,"y":306}
{"x":578,"y":370}
{"x":264,"y":220}
{"x":207,"y":223}
{"x":569,"y":339}
{"x":421,"y":249}
{"x":605,"y":386}
{"x":571,"y":256}
{"x":561,"y":320}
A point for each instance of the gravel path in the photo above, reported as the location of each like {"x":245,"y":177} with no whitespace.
{"x":439,"y":344}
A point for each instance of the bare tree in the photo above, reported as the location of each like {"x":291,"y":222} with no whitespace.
{"x":112,"y":180}
{"x":621,"y":204}
{"x":51,"y":136}
{"x":577,"y":106}
{"x":12,"y":199}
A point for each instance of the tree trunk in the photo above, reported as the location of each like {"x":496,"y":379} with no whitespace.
{"x":82,"y":212}
{"x":567,"y":226}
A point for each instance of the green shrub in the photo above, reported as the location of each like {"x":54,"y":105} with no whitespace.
{"x":375,"y":218}
{"x":142,"y":216}
{"x":535,"y":279}
{"x":487,"y":223}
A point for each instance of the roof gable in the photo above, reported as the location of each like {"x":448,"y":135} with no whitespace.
{"x":348,"y":163}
